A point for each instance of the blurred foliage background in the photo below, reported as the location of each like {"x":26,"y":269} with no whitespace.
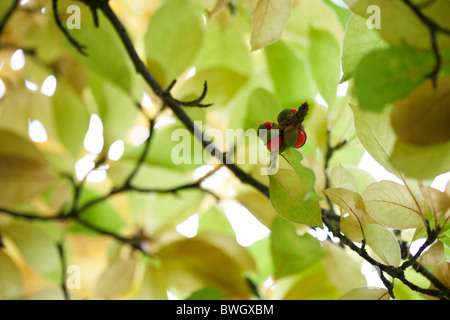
{"x":70,"y":132}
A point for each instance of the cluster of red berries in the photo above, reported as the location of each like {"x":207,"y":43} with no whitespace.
{"x":289,"y":132}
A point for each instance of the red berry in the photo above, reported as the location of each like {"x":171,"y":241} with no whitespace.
{"x":294,"y":111}
{"x":277,"y":144}
{"x":301,"y":139}
{"x":268,"y":125}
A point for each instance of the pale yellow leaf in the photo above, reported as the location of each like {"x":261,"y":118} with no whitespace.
{"x":353,"y":205}
{"x":439,"y":202}
{"x":11,"y":286}
{"x":342,"y":178}
{"x":270,"y":18}
{"x":383,"y":243}
{"x":422,"y":118}
{"x":366,"y":293}
{"x":117,"y":279}
{"x":434,"y":255}
{"x":393,"y":205}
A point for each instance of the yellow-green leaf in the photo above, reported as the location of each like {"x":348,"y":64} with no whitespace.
{"x":37,"y":248}
{"x":292,"y":253}
{"x":408,"y":31}
{"x":358,"y":41}
{"x":353,"y":204}
{"x":342,"y":178}
{"x":383,"y":243}
{"x":366,"y":293}
{"x":376,"y":135}
{"x":269,"y":21}
{"x":193,"y":264}
{"x":423,"y":163}
{"x":393,"y":205}
{"x":11,"y":286}
{"x":117,"y":279}
{"x":343,"y":272}
{"x":290,"y":197}
{"x":173,"y":38}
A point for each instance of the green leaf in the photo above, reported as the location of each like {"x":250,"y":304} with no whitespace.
{"x":366,"y":293}
{"x":421,"y":163}
{"x":102,"y":215}
{"x":116,"y":109}
{"x":214,"y":220}
{"x":291,"y":198}
{"x":391,"y":74}
{"x":376,"y":135}
{"x":168,"y":210}
{"x":311,"y":284}
{"x":292,"y":253}
{"x":294,"y":157}
{"x":225,"y":45}
{"x":358,"y":41}
{"x":260,"y":250}
{"x":106,"y":54}
{"x":383,"y":243}
{"x":170,"y":42}
{"x":325,"y":59}
{"x":313,"y":14}
{"x":37,"y":248}
{"x":11,"y":284}
{"x":263,"y":106}
{"x":409,"y":31}
{"x":71,"y":118}
{"x":289,"y":73}
{"x":393,"y":205}
{"x":209,"y":293}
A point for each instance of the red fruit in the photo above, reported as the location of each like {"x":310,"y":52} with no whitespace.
{"x":268,"y":125}
{"x":301,"y":139}
{"x":277,"y":144}
{"x":294,"y":111}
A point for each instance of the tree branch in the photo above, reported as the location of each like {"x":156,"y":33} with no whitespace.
{"x":80,"y":48}
{"x":62,"y":259}
{"x":8,"y":15}
{"x":173,"y":104}
{"x":433,"y":28}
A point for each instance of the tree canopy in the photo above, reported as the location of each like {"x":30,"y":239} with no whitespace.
{"x":121,"y":120}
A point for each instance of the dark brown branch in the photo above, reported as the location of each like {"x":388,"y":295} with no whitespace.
{"x":62,"y":259}
{"x":330,"y":218}
{"x":8,"y":15}
{"x":193,"y":103}
{"x":434,"y":29}
{"x":174,"y":105}
{"x":143,"y":154}
{"x":80,"y":48}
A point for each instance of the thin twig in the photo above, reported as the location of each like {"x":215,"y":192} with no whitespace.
{"x":174,"y":105}
{"x":62,"y":259}
{"x":80,"y":48}
{"x":434,"y":29}
{"x":8,"y":15}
